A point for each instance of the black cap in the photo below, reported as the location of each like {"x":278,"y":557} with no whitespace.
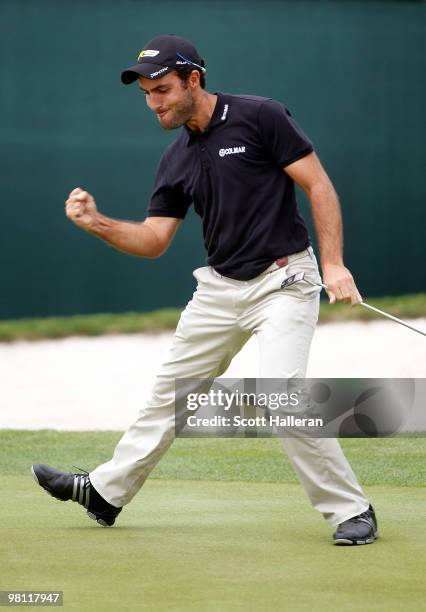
{"x":160,"y":56}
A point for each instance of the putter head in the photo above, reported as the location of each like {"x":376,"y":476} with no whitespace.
{"x":294,"y":278}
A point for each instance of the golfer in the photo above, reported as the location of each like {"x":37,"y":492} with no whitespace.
{"x":236,"y":159}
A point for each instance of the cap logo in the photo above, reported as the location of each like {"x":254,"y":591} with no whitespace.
{"x":148,"y":53}
{"x":154,"y":74}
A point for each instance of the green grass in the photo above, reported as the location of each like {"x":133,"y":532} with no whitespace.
{"x":220,"y":526}
{"x":393,"y":461}
{"x":407,"y":306}
{"x":88,"y":325}
{"x":212,"y":547}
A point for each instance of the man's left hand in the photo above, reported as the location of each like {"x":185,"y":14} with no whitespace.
{"x":340,"y":285}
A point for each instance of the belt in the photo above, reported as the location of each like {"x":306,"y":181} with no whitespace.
{"x":284,"y":261}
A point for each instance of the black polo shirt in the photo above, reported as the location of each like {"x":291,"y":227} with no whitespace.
{"x":233,"y":175}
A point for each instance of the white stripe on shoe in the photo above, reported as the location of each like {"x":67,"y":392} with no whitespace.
{"x":86,"y":503}
{"x":81,"y":495}
{"x":74,"y":489}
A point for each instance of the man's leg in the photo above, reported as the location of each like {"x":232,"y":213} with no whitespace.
{"x":205,"y":341}
{"x":284,"y":328}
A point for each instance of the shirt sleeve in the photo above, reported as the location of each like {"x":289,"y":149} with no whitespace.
{"x":283,"y":139}
{"x":168,"y":198}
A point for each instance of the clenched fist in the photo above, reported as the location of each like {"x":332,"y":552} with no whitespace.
{"x":81,"y":209}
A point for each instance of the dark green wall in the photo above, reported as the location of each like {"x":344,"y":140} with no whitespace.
{"x":352,"y":73}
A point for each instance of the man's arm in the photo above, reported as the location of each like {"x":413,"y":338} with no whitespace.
{"x":150,"y":238}
{"x":312,"y":178}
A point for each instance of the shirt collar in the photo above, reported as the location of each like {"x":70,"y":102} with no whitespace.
{"x":220,"y":115}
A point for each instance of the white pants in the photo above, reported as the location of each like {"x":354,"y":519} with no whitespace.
{"x":214,"y":326}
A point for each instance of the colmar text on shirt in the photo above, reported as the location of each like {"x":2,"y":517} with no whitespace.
{"x":231,"y":151}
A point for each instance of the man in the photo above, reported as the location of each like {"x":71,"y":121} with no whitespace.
{"x":236,"y":159}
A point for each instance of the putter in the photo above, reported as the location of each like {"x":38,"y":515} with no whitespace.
{"x":300,"y":276}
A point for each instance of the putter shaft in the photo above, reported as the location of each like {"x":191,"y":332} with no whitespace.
{"x":389,"y":316}
{"x":386,"y":314}
{"x":301,"y":276}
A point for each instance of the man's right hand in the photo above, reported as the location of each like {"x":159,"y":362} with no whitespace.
{"x":151,"y":238}
{"x":81,"y":209}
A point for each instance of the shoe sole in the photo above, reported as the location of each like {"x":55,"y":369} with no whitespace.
{"x":347,"y":542}
{"x":98,"y":520}
{"x":34,"y":475}
{"x":89,"y":514}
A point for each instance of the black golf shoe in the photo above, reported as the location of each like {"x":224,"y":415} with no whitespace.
{"x":78,"y":488}
{"x":360,"y":529}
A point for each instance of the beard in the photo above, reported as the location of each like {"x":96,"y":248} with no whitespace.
{"x":179,"y":114}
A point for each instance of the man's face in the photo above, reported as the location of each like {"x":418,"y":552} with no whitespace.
{"x":169,"y":98}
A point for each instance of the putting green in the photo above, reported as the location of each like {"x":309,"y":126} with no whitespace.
{"x":212,"y":546}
